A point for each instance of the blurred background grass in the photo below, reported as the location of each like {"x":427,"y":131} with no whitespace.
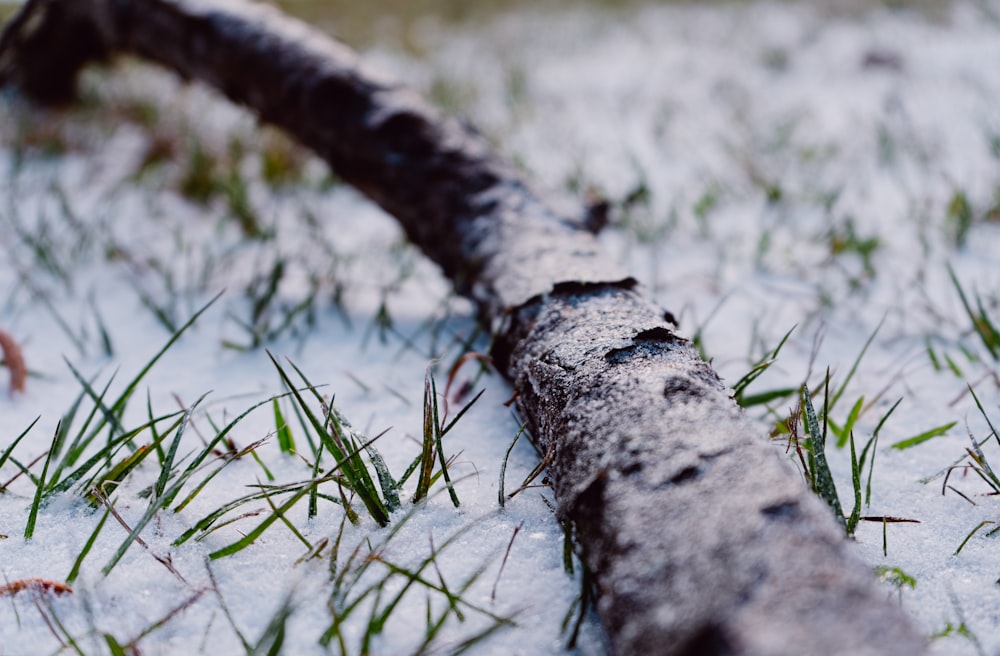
{"x":361,"y":23}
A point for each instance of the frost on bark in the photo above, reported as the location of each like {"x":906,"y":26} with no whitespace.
{"x":701,"y":539}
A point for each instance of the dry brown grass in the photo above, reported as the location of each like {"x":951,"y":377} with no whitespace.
{"x":13,"y":359}
{"x":35,"y":585}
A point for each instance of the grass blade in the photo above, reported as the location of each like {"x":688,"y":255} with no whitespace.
{"x":988,"y":333}
{"x":75,"y":571}
{"x":979,"y":405}
{"x":852,"y":418}
{"x":385,"y":480}
{"x":10,"y":449}
{"x":852,"y":522}
{"x":854,"y":367}
{"x":873,"y":445}
{"x":428,"y":444}
{"x":503,"y":465}
{"x":923,"y":437}
{"x":822,"y":478}
{"x":252,"y":536}
{"x":755,"y":372}
{"x":29,"y":528}
{"x":283,"y":432}
{"x":438,"y":434}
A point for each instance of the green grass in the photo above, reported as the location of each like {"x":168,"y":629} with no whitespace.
{"x":181,"y":477}
{"x":896,"y":577}
{"x":756,"y":370}
{"x":69,"y":454}
{"x":817,"y":470}
{"x":920,"y":438}
{"x":97,"y":450}
{"x":982,"y":324}
{"x":978,"y":464}
{"x":960,"y":629}
{"x":810,"y":449}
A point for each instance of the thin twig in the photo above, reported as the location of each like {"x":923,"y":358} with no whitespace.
{"x":163,"y":560}
{"x":503,"y":563}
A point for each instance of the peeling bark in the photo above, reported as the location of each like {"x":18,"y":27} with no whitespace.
{"x":701,"y":539}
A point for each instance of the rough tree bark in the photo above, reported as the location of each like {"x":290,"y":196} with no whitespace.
{"x":701,"y":539}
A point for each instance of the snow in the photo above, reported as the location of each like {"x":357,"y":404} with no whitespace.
{"x":859,"y":121}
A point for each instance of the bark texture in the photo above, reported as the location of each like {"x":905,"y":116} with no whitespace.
{"x":701,"y":540}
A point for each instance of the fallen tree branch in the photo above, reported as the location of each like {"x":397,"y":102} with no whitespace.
{"x":701,"y":540}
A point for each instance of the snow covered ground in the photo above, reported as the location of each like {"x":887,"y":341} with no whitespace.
{"x":771,"y":166}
